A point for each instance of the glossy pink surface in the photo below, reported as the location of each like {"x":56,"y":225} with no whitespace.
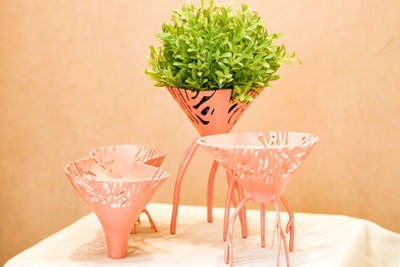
{"x":117,"y":190}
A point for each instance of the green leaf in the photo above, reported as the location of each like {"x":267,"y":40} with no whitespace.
{"x":227,"y":54}
{"x":160,"y":84}
{"x":219,"y":73}
{"x":214,"y":47}
{"x":274,"y":78}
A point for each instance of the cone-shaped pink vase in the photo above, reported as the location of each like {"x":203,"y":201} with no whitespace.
{"x":210,"y":111}
{"x":117,"y":193}
{"x":148,"y":155}
{"x":262,"y":161}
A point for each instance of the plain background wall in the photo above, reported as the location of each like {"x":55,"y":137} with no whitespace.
{"x":70,"y":81}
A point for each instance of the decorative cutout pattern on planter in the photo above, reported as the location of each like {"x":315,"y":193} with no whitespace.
{"x":95,"y":184}
{"x":208,"y":110}
{"x":273,"y":159}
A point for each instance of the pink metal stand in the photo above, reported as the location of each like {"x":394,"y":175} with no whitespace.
{"x":263,"y":164}
{"x":289,"y":227}
{"x":211,"y":112}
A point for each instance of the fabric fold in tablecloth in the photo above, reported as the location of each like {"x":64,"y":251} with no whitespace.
{"x":320,"y":240}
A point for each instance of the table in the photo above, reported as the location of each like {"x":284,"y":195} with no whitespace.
{"x":320,"y":240}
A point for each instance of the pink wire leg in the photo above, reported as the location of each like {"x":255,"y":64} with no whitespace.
{"x":210,"y":190}
{"x":262,"y":223}
{"x":231,"y":183}
{"x":280,"y":234}
{"x":242,"y":215}
{"x":228,"y":244}
{"x":230,"y":197}
{"x":134,"y":228}
{"x":290,"y":224}
{"x":182,"y":168}
{"x":153,"y":226}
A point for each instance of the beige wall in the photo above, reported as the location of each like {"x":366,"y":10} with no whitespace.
{"x":70,"y":80}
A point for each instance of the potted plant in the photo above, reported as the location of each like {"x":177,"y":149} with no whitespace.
{"x":214,"y":54}
{"x":214,"y":61}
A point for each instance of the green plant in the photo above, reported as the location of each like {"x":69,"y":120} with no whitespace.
{"x":213,"y":47}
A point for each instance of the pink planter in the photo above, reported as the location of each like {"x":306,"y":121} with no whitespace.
{"x":211,"y":112}
{"x":263,"y":164}
{"x":148,"y":155}
{"x":117,"y":190}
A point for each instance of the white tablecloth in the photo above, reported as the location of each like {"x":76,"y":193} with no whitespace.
{"x":320,"y":240}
